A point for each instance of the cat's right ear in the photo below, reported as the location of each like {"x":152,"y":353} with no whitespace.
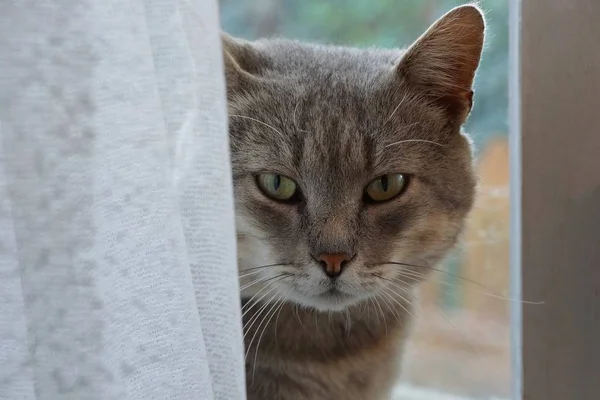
{"x":441,"y":64}
{"x":242,"y":64}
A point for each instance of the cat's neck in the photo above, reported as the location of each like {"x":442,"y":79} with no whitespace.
{"x":295,"y":332}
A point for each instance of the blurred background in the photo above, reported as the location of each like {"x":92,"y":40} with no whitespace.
{"x":461,"y":342}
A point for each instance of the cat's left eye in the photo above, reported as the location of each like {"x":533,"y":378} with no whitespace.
{"x":277,"y":187}
{"x":385,"y":187}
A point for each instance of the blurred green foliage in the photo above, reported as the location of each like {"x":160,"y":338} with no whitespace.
{"x":384,"y":23}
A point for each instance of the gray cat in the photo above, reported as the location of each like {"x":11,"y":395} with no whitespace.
{"x":352,"y":180}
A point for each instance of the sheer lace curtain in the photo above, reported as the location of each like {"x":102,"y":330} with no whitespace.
{"x":117,"y":240}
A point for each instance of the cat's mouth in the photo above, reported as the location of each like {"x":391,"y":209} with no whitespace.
{"x":332,"y":298}
{"x":334,"y":292}
{"x":324,"y":293}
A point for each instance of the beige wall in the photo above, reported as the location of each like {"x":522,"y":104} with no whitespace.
{"x":560,"y":74}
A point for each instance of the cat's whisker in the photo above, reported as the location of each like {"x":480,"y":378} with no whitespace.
{"x":396,"y":109}
{"x":388,"y":290}
{"x":259,"y":311}
{"x":363,"y":306}
{"x":250,"y":323}
{"x":414,"y":297}
{"x":262,"y":319}
{"x":382,"y":315}
{"x":375,"y":309}
{"x":277,"y":319}
{"x":267,"y":317}
{"x":259,"y":122}
{"x":391,"y":308}
{"x":295,"y":310}
{"x":415,"y":141}
{"x":348,"y":323}
{"x":250,"y":274}
{"x":435,"y":269}
{"x":476,"y":349}
{"x":253,"y":273}
{"x":256,"y":317}
{"x":403,"y":288}
{"x":280,"y":308}
{"x":276,"y":307}
{"x":250,"y":284}
{"x":263,"y":266}
{"x":294,"y":120}
{"x":445,"y":317}
{"x":414,"y":276}
{"x":294,"y":115}
{"x":252,"y":320}
{"x":488,"y":291}
{"x":418,"y":277}
{"x":414,"y":314}
{"x":271,"y":281}
{"x":405,"y":274}
{"x":370,"y":299}
{"x":250,"y":303}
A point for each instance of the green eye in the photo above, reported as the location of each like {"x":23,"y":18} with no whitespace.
{"x":386,"y":187}
{"x":277,"y":187}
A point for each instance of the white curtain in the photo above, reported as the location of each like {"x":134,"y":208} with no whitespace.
{"x":117,"y":242}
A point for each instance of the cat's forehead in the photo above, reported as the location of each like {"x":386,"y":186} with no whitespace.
{"x":333,"y":107}
{"x":331,"y":113}
{"x":287,"y":57}
{"x":330,"y":144}
{"x":329,"y":80}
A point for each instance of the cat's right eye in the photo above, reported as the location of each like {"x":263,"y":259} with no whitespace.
{"x":385,"y":188}
{"x":277,"y":187}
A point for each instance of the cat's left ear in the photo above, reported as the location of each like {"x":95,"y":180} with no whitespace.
{"x":242,"y":63}
{"x":442,"y":62}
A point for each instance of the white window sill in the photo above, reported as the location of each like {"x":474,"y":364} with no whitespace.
{"x":407,"y":392}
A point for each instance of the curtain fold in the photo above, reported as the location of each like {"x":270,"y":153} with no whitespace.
{"x":117,"y":242}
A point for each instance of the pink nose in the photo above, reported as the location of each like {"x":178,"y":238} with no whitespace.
{"x":333,"y":264}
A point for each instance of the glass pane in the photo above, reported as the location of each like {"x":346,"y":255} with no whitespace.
{"x":460,"y":347}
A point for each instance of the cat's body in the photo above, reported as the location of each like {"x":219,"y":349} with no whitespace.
{"x":307,"y":355}
{"x":352,"y":179}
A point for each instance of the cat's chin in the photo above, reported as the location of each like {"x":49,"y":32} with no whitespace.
{"x":326,"y":302}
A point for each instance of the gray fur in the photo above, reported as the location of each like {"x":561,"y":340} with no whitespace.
{"x":333,"y":119}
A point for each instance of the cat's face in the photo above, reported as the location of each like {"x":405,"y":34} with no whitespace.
{"x":350,"y":171}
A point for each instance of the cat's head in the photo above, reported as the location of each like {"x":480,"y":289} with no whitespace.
{"x":350,"y":168}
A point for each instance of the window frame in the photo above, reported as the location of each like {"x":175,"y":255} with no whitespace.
{"x":514,"y":144}
{"x":555,"y":183}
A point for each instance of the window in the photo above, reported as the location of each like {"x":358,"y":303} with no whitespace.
{"x":461,"y":344}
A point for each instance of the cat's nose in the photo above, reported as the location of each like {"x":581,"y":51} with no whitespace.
{"x":333,"y":264}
